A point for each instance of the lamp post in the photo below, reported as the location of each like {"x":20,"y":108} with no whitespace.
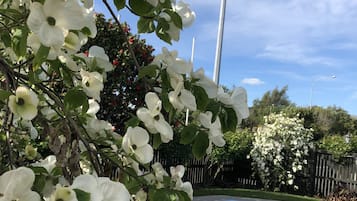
{"x":312,"y":88}
{"x":217,"y":64}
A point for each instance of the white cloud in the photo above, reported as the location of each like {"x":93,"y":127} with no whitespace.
{"x":274,"y":29}
{"x":296,"y":54}
{"x":252,"y":81}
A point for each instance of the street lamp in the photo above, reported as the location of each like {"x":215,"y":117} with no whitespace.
{"x":217,"y":63}
{"x":312,"y":88}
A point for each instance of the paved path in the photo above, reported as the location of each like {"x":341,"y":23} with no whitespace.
{"x":225,"y":198}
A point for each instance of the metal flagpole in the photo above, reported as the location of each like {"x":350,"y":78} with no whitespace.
{"x":217,"y":65}
{"x":191,"y":61}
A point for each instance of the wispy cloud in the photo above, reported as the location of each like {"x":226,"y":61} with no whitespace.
{"x":291,"y":31}
{"x":296,"y":54}
{"x":252,"y":81}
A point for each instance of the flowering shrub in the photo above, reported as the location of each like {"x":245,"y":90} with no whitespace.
{"x":54,"y":145}
{"x":279,"y":150}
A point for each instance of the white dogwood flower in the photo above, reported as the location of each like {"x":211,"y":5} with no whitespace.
{"x":92,"y":83}
{"x":49,"y":163}
{"x":186,"y":14}
{"x":182,"y":98}
{"x":153,"y":119}
{"x":63,"y":194}
{"x":24,"y":103}
{"x":215,"y":134}
{"x":97,"y":58}
{"x":101,"y":188}
{"x":206,"y":83}
{"x":237,"y":100}
{"x":135,"y":141}
{"x":52,"y":20}
{"x":17,"y":184}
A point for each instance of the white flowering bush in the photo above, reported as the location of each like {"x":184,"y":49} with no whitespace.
{"x":279,"y":151}
{"x":52,"y":144}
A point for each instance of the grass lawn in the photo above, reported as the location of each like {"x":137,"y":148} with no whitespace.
{"x":252,"y":194}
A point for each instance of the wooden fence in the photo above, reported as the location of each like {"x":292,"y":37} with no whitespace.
{"x":322,"y":176}
{"x":329,"y":175}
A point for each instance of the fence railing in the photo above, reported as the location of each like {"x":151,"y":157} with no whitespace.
{"x":330,"y":175}
{"x":322,"y":176}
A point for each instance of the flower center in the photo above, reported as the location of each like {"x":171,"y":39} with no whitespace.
{"x":157,"y":117}
{"x":20,"y":101}
{"x":87,"y":84}
{"x":59,"y":199}
{"x":51,"y":21}
{"x":134,"y":147}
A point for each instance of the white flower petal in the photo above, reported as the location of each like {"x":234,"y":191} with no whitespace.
{"x":113,"y":191}
{"x":164,"y":129}
{"x":138,"y":136}
{"x":153,"y":103}
{"x":144,"y":154}
{"x":188,"y":99}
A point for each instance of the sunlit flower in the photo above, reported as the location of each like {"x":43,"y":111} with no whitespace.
{"x":215,"y":134}
{"x":49,"y":163}
{"x":186,"y":14}
{"x":17,"y":184}
{"x":101,"y":188}
{"x":97,"y":59}
{"x":181,"y":98}
{"x":92,"y":83}
{"x":206,"y":83}
{"x":24,"y":103}
{"x":237,"y":100}
{"x":63,"y":194}
{"x":141,"y":195}
{"x":52,"y":20}
{"x":153,"y":119}
{"x":135,"y":141}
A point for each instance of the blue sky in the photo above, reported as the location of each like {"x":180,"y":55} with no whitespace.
{"x":307,"y":45}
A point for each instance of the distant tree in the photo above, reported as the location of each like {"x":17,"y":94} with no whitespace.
{"x":271,"y":102}
{"x":122,"y":93}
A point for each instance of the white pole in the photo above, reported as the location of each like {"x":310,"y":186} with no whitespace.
{"x":217,"y":64}
{"x":191,"y":60}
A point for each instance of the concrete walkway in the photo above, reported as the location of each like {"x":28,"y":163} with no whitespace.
{"x":225,"y":198}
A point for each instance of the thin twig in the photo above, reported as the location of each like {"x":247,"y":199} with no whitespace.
{"x":132,"y":54}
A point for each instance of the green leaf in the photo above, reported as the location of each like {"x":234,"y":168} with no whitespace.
{"x":188,"y":134}
{"x":228,"y":119}
{"x":214,"y":107}
{"x":119,"y":4}
{"x":132,"y":122}
{"x":176,"y":19}
{"x":4,"y":94}
{"x":82,"y":195}
{"x":19,"y":41}
{"x":41,"y":56}
{"x":141,"y":7}
{"x":200,"y":145}
{"x":183,"y":196}
{"x":149,"y":71}
{"x":161,"y":29}
{"x":75,"y":98}
{"x":159,"y":194}
{"x":202,"y":99}
{"x":57,"y":171}
{"x":39,"y":170}
{"x":39,"y":183}
{"x":156,"y":141}
{"x":145,"y":25}
{"x":6,"y":39}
